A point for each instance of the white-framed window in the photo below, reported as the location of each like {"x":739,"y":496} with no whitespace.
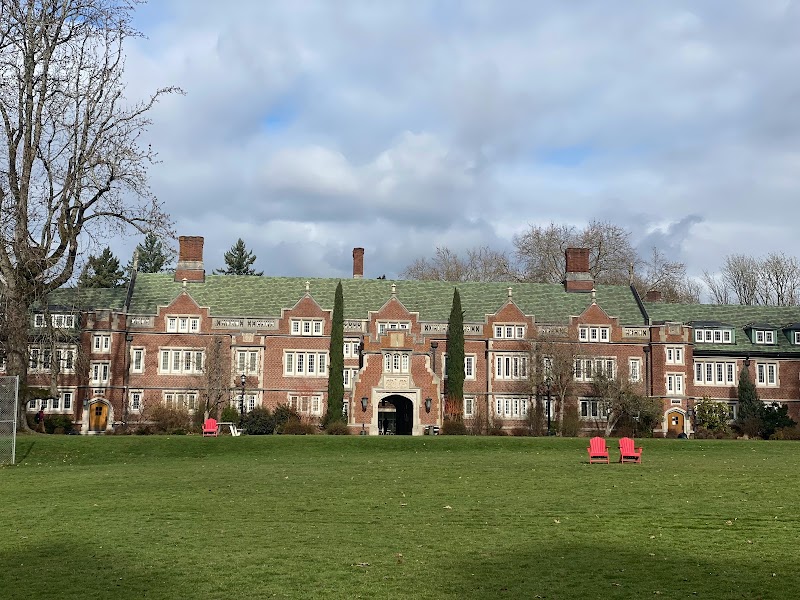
{"x":251,"y":401}
{"x":713,"y":336}
{"x":181,"y":399}
{"x":351,"y":348}
{"x":511,"y":366}
{"x":66,"y":359}
{"x":674,"y":384}
{"x":720,"y":373}
{"x":585,"y":369}
{"x":469,"y":366}
{"x":67,"y":398}
{"x":674,"y":355}
{"x":180,"y":324}
{"x":764,"y":336}
{"x":306,"y":326}
{"x":135,"y":401}
{"x":591,"y":408}
{"x":101,"y":343}
{"x":796,"y":338}
{"x":767,"y":374}
{"x":248,"y":361}
{"x":59,"y":321}
{"x":348,"y":377}
{"x":305,"y":364}
{"x":594,"y":334}
{"x":635,"y":369}
{"x":181,"y":361}
{"x":99,"y":372}
{"x":469,"y":407}
{"x":384,"y":326}
{"x":511,"y":407}
{"x":306,"y":405}
{"x":62,"y":403}
{"x":396,"y":362}
{"x":137,"y":360}
{"x":514,"y":331}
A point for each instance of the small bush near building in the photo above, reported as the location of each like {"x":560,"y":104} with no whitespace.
{"x":297,"y":427}
{"x":166,"y":419}
{"x":337,"y":428}
{"x":571,"y":424}
{"x":521,"y":432}
{"x":786,"y":433}
{"x":283,"y":414}
{"x":229,"y":414}
{"x":259,"y":421}
{"x":58,"y":424}
{"x":453,"y":427}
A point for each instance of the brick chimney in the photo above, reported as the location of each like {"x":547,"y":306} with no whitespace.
{"x":578,"y":278}
{"x":190,"y":259}
{"x":653,"y":296}
{"x":358,"y":263}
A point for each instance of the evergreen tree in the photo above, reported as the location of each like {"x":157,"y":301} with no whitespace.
{"x":102,"y":271}
{"x":239,"y":261}
{"x":751,"y":409}
{"x":336,"y":369}
{"x":153,"y":257}
{"x":455,"y":358}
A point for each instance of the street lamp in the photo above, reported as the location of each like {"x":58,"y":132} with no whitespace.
{"x":434,"y":346}
{"x":548,"y":407}
{"x":428,"y":403}
{"x":243,"y":381}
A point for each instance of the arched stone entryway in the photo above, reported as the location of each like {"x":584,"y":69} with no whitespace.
{"x":98,"y":416}
{"x":396,"y":415}
{"x":676,"y":421}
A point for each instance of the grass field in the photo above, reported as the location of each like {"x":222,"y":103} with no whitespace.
{"x":396,"y":517}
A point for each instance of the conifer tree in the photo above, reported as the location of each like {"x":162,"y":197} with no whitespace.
{"x":455,"y":358}
{"x":239,"y":261}
{"x":750,"y":416}
{"x":336,"y":370}
{"x":102,"y":271}
{"x":153,"y":257}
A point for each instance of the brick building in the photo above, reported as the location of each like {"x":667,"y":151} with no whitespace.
{"x":177,"y":338}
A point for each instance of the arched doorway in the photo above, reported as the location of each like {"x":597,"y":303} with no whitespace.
{"x":98,"y":416}
{"x":675,"y":422}
{"x":396,"y":415}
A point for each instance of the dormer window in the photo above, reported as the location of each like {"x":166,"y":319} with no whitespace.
{"x":797,"y":338}
{"x":763,"y":337}
{"x":713,"y":336}
{"x":183,"y":324}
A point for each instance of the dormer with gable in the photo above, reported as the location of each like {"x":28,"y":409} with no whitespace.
{"x":761,"y":333}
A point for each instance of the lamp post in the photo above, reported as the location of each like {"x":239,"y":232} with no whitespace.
{"x":434,"y":346}
{"x":243,"y":381}
{"x":548,"y":407}
{"x":364,"y":401}
{"x":428,"y":403}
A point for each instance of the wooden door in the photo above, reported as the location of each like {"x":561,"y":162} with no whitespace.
{"x":675,"y":424}
{"x":98,"y":416}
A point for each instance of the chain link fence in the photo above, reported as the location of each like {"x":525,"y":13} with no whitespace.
{"x":8,"y":419}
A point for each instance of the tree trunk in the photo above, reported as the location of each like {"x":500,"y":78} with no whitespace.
{"x":16,"y":329}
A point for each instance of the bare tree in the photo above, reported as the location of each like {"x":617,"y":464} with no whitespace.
{"x":617,"y":396}
{"x":554,"y":369}
{"x":478,"y":264}
{"x":771,"y":281}
{"x":669,"y":277}
{"x":216,"y":378}
{"x":540,"y":252}
{"x":779,"y":281}
{"x":72,"y":166}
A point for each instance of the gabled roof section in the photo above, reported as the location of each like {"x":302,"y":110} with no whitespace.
{"x":235,"y":295}
{"x":88,"y":298}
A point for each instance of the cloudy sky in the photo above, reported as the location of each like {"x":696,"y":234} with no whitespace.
{"x":309,"y":128}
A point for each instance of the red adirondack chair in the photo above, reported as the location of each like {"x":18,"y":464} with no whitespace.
{"x":598,"y":451}
{"x":627,"y":451}
{"x":210,"y":428}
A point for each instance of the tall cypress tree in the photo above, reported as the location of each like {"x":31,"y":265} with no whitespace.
{"x":455,"y":358}
{"x":336,"y":370}
{"x":751,"y":409}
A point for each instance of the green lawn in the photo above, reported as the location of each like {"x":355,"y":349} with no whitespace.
{"x":396,"y":517}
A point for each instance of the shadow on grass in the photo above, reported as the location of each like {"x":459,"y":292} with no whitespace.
{"x":575,"y":571}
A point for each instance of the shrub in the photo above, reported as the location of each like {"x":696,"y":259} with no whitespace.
{"x":521,"y":432}
{"x":337,"y":428}
{"x":283,"y":414}
{"x":167,"y":419}
{"x":297,"y":427}
{"x":571,"y":423}
{"x":230,"y":414}
{"x":143,"y":430}
{"x":453,"y":427}
{"x":259,"y":421}
{"x":786,"y":433}
{"x":495,"y":427}
{"x":57,"y":423}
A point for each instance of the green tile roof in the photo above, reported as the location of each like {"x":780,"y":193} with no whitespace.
{"x":231,"y":295}
{"x":732,"y":314}
{"x":88,"y":298}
